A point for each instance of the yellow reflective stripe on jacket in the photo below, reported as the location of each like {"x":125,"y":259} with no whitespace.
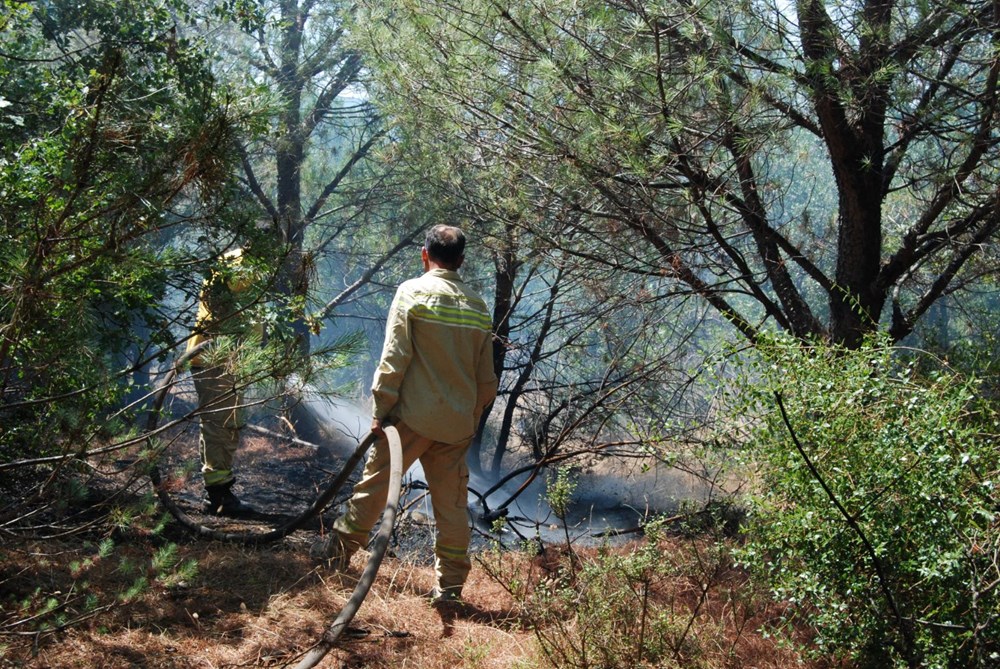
{"x":447,"y":310}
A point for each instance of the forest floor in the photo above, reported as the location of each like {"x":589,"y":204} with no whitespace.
{"x":265,"y":607}
{"x":140,"y":596}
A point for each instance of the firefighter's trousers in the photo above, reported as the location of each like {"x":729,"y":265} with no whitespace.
{"x":219,"y":402}
{"x":448,"y":482}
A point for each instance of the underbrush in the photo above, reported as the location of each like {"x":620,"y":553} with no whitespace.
{"x":875,"y":505}
{"x":673,"y":600}
{"x":134,"y":591}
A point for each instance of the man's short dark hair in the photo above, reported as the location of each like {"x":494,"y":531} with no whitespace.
{"x":445,"y":244}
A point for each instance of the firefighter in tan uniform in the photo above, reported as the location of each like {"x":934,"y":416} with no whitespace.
{"x":432,"y":383}
{"x":221,"y":312}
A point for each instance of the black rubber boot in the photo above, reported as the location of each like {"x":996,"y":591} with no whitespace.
{"x":222,"y":502}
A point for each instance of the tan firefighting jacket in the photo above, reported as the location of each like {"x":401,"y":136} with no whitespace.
{"x":436,"y":371}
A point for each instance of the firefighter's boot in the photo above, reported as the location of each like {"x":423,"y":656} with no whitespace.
{"x":222,"y":502}
{"x":333,"y":551}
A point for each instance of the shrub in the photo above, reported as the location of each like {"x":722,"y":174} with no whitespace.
{"x":875,"y":506}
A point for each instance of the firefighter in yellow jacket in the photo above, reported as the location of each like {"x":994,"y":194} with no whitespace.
{"x":221,"y":313}
{"x":432,"y":383}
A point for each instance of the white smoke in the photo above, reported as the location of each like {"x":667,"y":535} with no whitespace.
{"x":608,"y":499}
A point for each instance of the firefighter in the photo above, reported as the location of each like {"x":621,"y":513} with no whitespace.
{"x":221,"y":313}
{"x":433,"y":381}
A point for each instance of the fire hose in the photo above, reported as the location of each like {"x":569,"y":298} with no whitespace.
{"x":161,"y":487}
{"x":379,"y":545}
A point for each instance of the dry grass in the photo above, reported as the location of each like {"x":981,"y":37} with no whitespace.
{"x":259,"y":608}
{"x":715,"y":616}
{"x":264,"y":607}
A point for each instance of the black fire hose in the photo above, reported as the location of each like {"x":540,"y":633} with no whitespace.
{"x":379,"y":546}
{"x":250,"y":538}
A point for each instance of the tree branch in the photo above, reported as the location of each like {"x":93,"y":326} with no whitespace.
{"x":367,"y":275}
{"x":328,"y":190}
{"x":880,"y":572}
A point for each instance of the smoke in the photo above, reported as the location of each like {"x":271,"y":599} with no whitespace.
{"x":608,"y":499}
{"x":335,"y":425}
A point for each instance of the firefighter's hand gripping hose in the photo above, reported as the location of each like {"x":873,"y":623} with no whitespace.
{"x":379,"y":546}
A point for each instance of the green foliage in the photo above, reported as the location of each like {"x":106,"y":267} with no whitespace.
{"x":113,"y":133}
{"x":71,"y":594}
{"x":779,"y":162}
{"x":113,"y":137}
{"x":875,"y":509}
{"x":170,"y":569}
{"x":559,"y":492}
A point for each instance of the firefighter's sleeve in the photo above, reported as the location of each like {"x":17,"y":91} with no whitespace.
{"x":397,"y":351}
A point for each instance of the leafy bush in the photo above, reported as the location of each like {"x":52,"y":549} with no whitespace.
{"x":875,"y":506}
{"x":114,"y":139}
